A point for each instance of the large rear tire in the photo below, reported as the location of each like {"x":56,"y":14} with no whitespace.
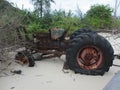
{"x":81,"y":31}
{"x":89,"y":54}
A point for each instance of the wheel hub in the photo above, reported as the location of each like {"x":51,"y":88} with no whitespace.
{"x":89,"y":57}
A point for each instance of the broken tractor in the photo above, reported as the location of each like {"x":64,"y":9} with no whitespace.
{"x":86,"y":51}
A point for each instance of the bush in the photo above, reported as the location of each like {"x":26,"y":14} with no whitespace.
{"x":99,"y":16}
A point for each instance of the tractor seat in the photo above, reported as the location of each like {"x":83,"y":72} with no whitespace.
{"x":57,"y":33}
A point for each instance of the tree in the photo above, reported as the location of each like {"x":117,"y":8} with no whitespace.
{"x":117,"y":4}
{"x":42,"y":6}
{"x":65,"y":20}
{"x":79,"y":12}
{"x":99,"y":16}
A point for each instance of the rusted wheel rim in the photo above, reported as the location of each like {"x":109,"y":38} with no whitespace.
{"x":23,"y":59}
{"x":89,"y":57}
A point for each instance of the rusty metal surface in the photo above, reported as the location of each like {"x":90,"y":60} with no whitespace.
{"x":56,"y":33}
{"x":43,"y":43}
{"x":89,"y":57}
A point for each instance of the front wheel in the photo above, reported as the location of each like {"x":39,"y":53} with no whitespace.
{"x":25,"y":57}
{"x":89,"y":54}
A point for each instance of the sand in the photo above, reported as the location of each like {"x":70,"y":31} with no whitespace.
{"x":48,"y":75}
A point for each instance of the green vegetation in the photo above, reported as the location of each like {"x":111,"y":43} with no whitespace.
{"x":99,"y":16}
{"x":42,"y":18}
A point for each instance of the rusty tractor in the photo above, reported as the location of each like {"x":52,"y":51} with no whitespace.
{"x":86,"y":51}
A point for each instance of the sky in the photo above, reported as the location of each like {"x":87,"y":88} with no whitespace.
{"x":67,"y":5}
